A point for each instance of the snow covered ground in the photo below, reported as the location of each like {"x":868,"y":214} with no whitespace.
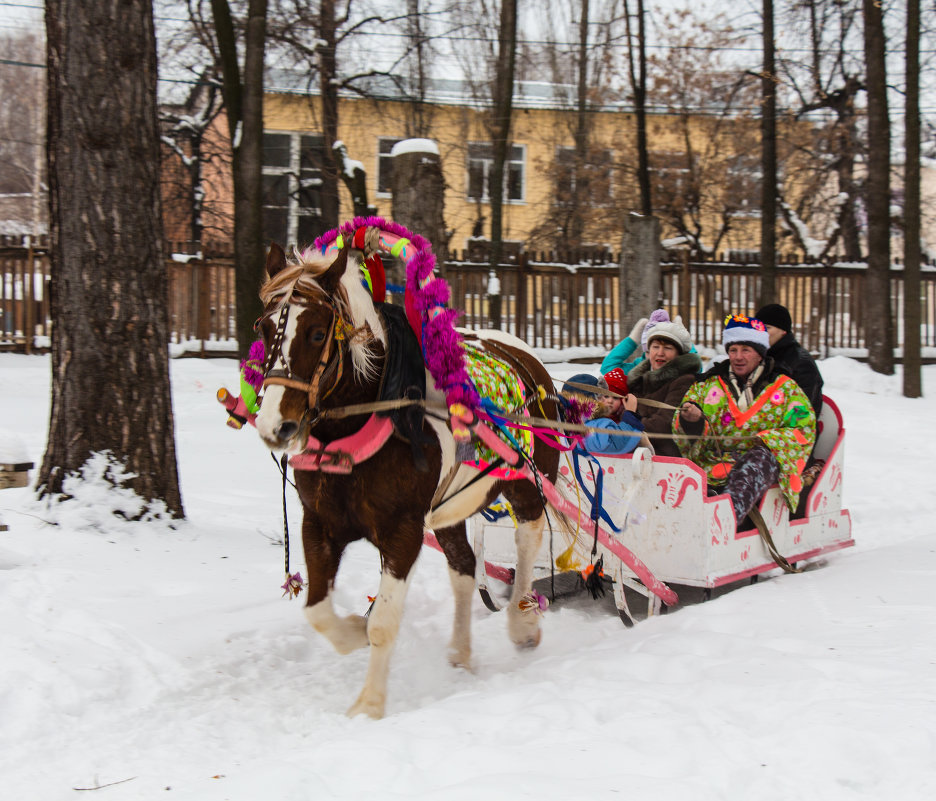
{"x":162,"y":663}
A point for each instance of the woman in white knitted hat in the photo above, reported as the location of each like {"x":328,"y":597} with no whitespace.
{"x":665,"y":375}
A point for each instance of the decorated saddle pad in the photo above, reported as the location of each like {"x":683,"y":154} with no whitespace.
{"x":499,"y":383}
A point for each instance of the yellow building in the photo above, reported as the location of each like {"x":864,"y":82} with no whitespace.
{"x":539,"y":169}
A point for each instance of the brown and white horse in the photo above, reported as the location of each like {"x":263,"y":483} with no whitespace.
{"x":327,"y":347}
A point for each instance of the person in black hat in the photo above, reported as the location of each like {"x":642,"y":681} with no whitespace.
{"x":791,"y":357}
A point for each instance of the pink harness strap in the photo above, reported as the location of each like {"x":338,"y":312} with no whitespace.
{"x":341,"y":455}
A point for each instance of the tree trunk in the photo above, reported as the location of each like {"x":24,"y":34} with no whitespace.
{"x":768,"y":249}
{"x":639,"y":272}
{"x":580,"y":194}
{"x":328,"y":88}
{"x":419,"y":196}
{"x":110,"y":361}
{"x":845,"y":169}
{"x":638,"y":80}
{"x":243,"y":100}
{"x":500,"y":126}
{"x":879,"y":328}
{"x":912,"y":383}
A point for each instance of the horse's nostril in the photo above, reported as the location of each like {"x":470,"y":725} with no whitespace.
{"x":286,"y":430}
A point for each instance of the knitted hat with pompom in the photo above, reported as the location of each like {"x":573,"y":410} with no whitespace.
{"x":661,"y":327}
{"x":743,"y":330}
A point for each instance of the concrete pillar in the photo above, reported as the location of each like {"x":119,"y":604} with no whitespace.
{"x":640,"y":285}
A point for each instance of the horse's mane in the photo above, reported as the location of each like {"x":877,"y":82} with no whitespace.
{"x":299,"y":281}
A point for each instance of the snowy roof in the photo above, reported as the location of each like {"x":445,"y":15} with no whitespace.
{"x":439,"y":91}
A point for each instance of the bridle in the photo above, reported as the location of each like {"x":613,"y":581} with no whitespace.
{"x":331,"y":359}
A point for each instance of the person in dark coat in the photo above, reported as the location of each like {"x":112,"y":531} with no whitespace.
{"x":791,"y":357}
{"x":667,"y":372}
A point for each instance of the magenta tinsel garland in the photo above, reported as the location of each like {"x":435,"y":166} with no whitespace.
{"x":255,"y":356}
{"x":578,"y":411}
{"x":441,"y":343}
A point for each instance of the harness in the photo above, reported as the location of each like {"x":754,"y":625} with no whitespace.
{"x":403,"y":377}
{"x":338,"y":329}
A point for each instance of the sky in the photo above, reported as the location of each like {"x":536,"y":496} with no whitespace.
{"x":158,"y":662}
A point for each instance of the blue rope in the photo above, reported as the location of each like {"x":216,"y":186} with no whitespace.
{"x":597,"y":510}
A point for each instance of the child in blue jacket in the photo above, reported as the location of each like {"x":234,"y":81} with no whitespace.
{"x":604,"y":412}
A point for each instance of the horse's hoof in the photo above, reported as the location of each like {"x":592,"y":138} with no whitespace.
{"x":523,"y":628}
{"x":530,"y":642}
{"x":460,"y":660}
{"x":371,"y":707}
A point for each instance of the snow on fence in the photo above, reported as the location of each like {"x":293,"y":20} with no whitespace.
{"x":549,"y":300}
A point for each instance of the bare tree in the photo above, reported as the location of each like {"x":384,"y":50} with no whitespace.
{"x":583,"y":78}
{"x":638,"y":82}
{"x":110,"y":361}
{"x":706,"y":184}
{"x":879,"y":330}
{"x":827,"y":81}
{"x":243,"y":103}
{"x":501,"y":117}
{"x":912,"y":383}
{"x":23,"y":188}
{"x":189,"y":147}
{"x":329,"y":42}
{"x":768,"y":245}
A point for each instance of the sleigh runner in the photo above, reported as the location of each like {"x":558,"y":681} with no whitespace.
{"x":686,"y":538}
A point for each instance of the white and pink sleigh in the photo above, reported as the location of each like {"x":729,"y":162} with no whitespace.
{"x":685,"y":538}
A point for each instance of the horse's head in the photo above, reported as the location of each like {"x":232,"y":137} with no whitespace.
{"x":319,"y":326}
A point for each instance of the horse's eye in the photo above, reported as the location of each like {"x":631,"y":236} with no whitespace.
{"x":316,"y":335}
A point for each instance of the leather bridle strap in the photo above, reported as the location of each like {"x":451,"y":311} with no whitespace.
{"x":285,"y":377}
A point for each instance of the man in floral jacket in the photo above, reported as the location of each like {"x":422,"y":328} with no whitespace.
{"x":756,"y":426}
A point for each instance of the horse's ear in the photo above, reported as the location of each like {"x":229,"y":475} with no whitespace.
{"x":276,"y":259}
{"x":330,"y":278}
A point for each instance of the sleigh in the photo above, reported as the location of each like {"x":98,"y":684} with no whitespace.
{"x":665,"y":516}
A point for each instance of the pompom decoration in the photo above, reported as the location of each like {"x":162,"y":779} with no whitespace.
{"x":293,"y":585}
{"x":656,"y":316}
{"x":578,"y":411}
{"x":252,"y":366}
{"x":533,"y":602}
{"x":426,"y":299}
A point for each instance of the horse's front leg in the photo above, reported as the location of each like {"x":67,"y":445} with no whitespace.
{"x":383,"y":623}
{"x":523,"y":626}
{"x":348,"y":633}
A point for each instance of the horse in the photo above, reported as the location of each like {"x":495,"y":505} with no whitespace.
{"x":329,"y":346}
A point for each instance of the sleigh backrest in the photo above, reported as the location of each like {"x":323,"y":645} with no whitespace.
{"x":830,"y":428}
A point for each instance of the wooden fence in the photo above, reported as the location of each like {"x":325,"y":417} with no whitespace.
{"x":546,"y":303}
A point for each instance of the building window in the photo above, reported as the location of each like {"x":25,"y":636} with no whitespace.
{"x":385,"y":166}
{"x":671,"y":178}
{"x":292,"y":187}
{"x":480,"y":159}
{"x":594,"y":179}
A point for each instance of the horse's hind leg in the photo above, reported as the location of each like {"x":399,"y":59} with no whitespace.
{"x":461,"y":563}
{"x":383,"y":623}
{"x":523,"y":626}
